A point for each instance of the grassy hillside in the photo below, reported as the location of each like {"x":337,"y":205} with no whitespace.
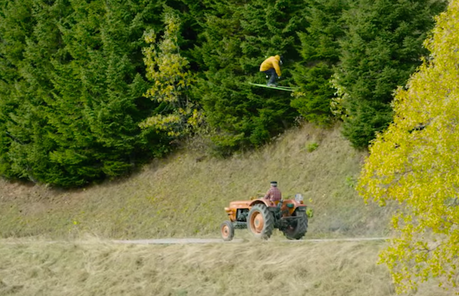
{"x":184,"y":195}
{"x":95,"y":267}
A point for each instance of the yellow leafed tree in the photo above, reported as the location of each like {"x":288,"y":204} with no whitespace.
{"x":166,"y":68}
{"x":415,"y":164}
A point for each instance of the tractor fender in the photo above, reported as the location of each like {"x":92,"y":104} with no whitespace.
{"x":266,"y":202}
{"x":290,"y":205}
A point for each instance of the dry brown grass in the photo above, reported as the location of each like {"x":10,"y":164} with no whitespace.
{"x":184,"y":195}
{"x":97,"y":267}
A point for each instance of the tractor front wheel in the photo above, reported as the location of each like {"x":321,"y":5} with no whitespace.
{"x":260,"y":221}
{"x":227,"y":230}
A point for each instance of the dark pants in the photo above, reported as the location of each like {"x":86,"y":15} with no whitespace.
{"x":272,"y":75}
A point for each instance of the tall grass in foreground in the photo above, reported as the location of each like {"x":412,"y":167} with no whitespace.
{"x":184,"y":195}
{"x":95,"y":267}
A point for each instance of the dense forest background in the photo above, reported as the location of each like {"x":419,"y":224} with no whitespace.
{"x":92,"y":89}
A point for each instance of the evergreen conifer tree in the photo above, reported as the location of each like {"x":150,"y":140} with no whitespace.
{"x":236,"y":38}
{"x":383,"y":46}
{"x":71,"y":88}
{"x":320,"y":52}
{"x":30,"y":37}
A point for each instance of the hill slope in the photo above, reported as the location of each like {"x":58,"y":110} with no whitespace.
{"x":184,"y":195}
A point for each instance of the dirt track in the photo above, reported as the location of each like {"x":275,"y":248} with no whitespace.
{"x":178,"y":241}
{"x":213,"y":240}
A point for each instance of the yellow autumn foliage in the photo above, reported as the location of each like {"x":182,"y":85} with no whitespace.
{"x":415,"y":165}
{"x":166,"y":68}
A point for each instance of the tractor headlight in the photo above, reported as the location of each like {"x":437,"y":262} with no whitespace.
{"x":298,"y":197}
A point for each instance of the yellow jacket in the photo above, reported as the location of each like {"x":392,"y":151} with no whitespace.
{"x":271,"y":62}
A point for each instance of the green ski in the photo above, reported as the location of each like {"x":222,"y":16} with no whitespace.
{"x":284,"y":88}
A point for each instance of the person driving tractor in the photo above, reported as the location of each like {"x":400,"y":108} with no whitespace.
{"x":271,"y":67}
{"x":273,"y":194}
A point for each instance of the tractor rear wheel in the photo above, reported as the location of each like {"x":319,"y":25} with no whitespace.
{"x":298,"y":227}
{"x":227,"y":230}
{"x":260,"y":221}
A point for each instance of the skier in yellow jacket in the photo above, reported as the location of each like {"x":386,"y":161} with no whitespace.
{"x":271,"y":67}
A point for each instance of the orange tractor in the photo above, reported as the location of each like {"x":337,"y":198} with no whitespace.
{"x":261,"y":216}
